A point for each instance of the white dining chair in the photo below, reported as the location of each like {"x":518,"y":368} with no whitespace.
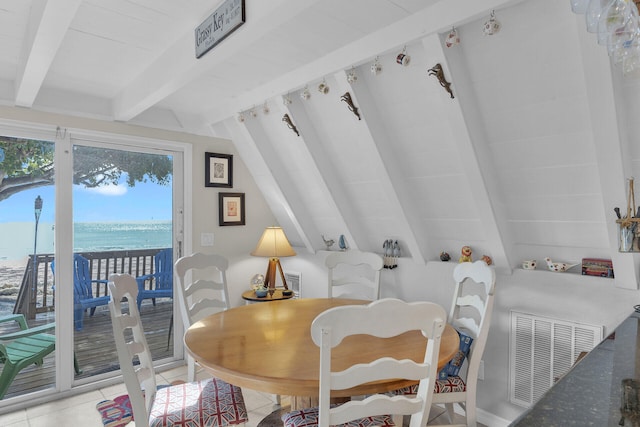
{"x":330,"y":327}
{"x":354,"y":274}
{"x":211,"y":402}
{"x":470,"y":314}
{"x":202,"y":291}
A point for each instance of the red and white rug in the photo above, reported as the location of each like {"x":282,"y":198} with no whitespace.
{"x":116,"y":412}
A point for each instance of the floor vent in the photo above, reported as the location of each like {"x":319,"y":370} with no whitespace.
{"x":541,"y":351}
{"x":293,"y":282}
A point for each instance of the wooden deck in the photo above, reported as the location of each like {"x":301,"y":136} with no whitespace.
{"x":95,"y":347}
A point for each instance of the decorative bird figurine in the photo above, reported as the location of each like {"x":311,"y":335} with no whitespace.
{"x":328,"y":243}
{"x":342,"y":242}
{"x":558,"y":266}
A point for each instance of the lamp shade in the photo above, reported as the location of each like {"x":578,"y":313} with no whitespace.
{"x":274,"y":244}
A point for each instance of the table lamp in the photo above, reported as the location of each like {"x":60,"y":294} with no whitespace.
{"x":273,"y":244}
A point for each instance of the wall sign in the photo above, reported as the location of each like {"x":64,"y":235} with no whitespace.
{"x":225,"y":20}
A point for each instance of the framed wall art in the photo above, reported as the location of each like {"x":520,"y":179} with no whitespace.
{"x":218,"y":170}
{"x":231,"y":206}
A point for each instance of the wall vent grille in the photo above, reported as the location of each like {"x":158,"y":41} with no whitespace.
{"x":542,"y":350}
{"x":293,"y":282}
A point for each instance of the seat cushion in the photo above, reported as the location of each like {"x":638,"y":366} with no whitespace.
{"x":453,"y":384}
{"x":309,"y":417}
{"x":209,"y":403}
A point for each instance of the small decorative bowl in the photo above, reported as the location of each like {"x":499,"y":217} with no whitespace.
{"x":261,"y":293}
{"x":287,"y":292}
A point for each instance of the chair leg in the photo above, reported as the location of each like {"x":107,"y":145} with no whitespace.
{"x":78,"y":314}
{"x":470,"y":410}
{"x":191,"y":369}
{"x":450,"y":411}
{"x":6,"y":378}
{"x":169,"y":334}
{"x":76,"y":365}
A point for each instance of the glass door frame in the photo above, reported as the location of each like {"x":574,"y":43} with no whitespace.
{"x":182,"y":159}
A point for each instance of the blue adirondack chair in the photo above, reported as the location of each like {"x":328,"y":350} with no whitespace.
{"x":161,"y":280}
{"x":83,"y":298}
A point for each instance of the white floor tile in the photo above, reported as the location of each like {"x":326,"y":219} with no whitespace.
{"x":84,"y":414}
{"x":90,"y":398}
{"x":113,"y":391}
{"x":14,"y":418}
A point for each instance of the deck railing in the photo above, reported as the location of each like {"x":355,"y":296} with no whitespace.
{"x":38,"y":296}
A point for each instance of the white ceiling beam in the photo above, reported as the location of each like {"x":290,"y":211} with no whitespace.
{"x":49,"y":22}
{"x":261,"y":163}
{"x":467,"y":128}
{"x":333,"y":193}
{"x":296,"y":212}
{"x":437,"y":18}
{"x":392,"y":182}
{"x":179,"y":66}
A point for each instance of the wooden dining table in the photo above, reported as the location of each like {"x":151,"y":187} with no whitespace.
{"x":268,"y":348}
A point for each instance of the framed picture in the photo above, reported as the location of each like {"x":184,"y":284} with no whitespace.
{"x":218,"y":170}
{"x":231,"y":207}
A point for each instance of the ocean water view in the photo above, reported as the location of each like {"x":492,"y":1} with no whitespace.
{"x":111,"y":236}
{"x":17,"y":238}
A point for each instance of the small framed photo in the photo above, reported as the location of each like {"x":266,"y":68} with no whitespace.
{"x":231,"y":206}
{"x":218,"y":170}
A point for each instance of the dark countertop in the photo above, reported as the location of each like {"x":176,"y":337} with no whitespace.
{"x":590,"y":394}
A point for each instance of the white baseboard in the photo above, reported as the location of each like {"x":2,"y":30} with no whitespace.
{"x":486,"y":418}
{"x":491,"y":420}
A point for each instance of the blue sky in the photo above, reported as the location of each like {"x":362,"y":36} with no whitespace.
{"x":144,"y":202}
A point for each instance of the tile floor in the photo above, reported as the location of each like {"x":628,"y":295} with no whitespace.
{"x":81,"y":410}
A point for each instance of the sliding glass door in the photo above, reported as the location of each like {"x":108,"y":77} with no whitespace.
{"x":74,"y":209}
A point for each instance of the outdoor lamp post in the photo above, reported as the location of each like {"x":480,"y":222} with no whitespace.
{"x":32,"y":300}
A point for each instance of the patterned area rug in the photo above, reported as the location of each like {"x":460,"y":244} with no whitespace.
{"x":116,"y":412}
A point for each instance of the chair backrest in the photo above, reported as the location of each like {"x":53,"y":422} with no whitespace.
{"x":163,"y":261}
{"x":82,"y":288}
{"x":125,"y":316}
{"x":82,"y":277}
{"x":200,"y":297}
{"x":383,"y":318}
{"x":355,"y":273}
{"x":472,"y":307}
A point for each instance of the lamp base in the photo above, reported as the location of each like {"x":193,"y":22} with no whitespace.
{"x":270,"y":276}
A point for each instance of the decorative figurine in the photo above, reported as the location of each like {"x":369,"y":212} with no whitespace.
{"x":465,"y":254}
{"x":391,"y":253}
{"x":290,"y":124}
{"x":439,"y":74}
{"x":559,"y":267}
{"x":327,"y":243}
{"x":444,"y":256}
{"x":347,"y":98}
{"x":487,"y":259}
{"x":342,"y":242}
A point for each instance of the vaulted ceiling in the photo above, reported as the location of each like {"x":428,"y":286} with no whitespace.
{"x":527,"y":160}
